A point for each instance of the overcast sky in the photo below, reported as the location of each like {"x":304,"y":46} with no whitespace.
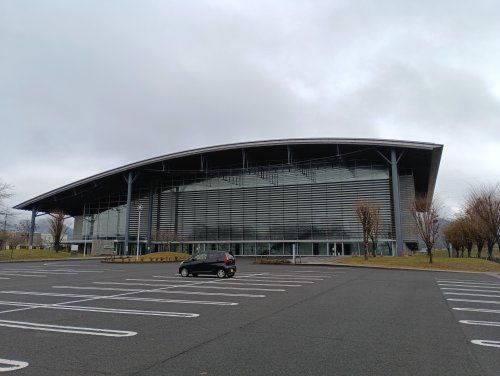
{"x":86,"y":86}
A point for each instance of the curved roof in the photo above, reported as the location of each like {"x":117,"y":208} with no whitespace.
{"x":415,"y":154}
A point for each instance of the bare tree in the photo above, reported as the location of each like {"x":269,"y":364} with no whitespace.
{"x":453,"y":234}
{"x":166,"y":236}
{"x":484,"y":202}
{"x":375,"y":230}
{"x":57,"y":228}
{"x":366,"y":213}
{"x":425,"y":212}
{"x":23,"y":228}
{"x":5,"y":192}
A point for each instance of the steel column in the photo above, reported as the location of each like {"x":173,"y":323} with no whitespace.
{"x":396,"y":200}
{"x":32,"y":228}
{"x":150,"y":218}
{"x":127,"y":217}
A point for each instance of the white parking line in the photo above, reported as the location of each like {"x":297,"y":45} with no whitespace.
{"x":293,"y":275}
{"x":55,"y":270}
{"x":485,"y":342}
{"x":474,"y":301}
{"x":37,"y":272}
{"x":273,"y":278}
{"x":476,"y":310}
{"x":183,"y":279}
{"x":4,"y":278}
{"x":468,"y":294}
{"x":7,"y":365}
{"x":159,"y":291}
{"x":468,"y":286}
{"x":457,"y":289}
{"x":485,"y":323}
{"x":66,"y":329}
{"x":60,"y":306}
{"x":259,"y":279}
{"x":191,"y":287}
{"x":23,"y":275}
{"x":468,"y":282}
{"x":215,"y":281}
{"x":124,"y":298}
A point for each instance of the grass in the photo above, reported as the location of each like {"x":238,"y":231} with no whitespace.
{"x":32,"y":254}
{"x":441,"y":261}
{"x":151,"y":257}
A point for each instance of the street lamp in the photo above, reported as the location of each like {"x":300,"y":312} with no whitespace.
{"x":139,"y":208}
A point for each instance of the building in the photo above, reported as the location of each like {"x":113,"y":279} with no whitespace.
{"x":252,"y":198}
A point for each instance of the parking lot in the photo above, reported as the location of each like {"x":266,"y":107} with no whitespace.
{"x":87,"y":317}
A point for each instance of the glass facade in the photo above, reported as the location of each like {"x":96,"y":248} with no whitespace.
{"x":260,"y":210}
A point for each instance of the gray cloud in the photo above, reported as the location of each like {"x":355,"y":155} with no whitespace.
{"x":87,"y":86}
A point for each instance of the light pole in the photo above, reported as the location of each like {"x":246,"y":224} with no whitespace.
{"x":139,"y":208}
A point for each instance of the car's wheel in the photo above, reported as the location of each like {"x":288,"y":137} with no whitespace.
{"x":221,"y":273}
{"x":184,"y":272}
{"x":231,"y":275}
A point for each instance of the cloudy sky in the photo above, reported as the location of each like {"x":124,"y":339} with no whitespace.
{"x":86,"y":86}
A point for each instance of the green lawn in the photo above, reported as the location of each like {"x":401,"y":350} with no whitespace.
{"x":440,"y":262}
{"x":33,"y":254}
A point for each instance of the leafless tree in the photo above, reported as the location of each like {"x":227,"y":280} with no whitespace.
{"x":166,"y":236}
{"x":57,"y":228}
{"x":453,"y":235}
{"x":484,"y":202}
{"x":425,"y":212}
{"x":366,"y":213}
{"x":375,"y":230}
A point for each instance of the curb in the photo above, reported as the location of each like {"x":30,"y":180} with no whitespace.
{"x":54,"y":260}
{"x":395,"y":268}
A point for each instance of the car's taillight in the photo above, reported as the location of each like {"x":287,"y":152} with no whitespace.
{"x":226,"y":259}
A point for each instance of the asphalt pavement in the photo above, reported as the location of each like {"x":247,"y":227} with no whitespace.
{"x":92,"y":318}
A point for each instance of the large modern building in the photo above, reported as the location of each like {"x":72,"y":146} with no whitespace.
{"x":252,"y":198}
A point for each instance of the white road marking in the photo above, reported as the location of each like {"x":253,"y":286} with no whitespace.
{"x":4,"y":278}
{"x":478,"y":290}
{"x":468,"y":294}
{"x":55,"y":271}
{"x":311,"y":280}
{"x":485,"y":342}
{"x":23,"y":275}
{"x":476,"y":310}
{"x":7,"y":365}
{"x":37,"y":272}
{"x":66,"y":329}
{"x":183,"y":279}
{"x":61,"y":306}
{"x":468,"y":282}
{"x":474,"y":301}
{"x":215,"y":281}
{"x":191,"y":286}
{"x":485,"y":323}
{"x":294,"y":276}
{"x":468,"y":286}
{"x":159,"y":291}
{"x":124,"y":298}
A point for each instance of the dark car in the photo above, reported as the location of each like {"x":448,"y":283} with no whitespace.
{"x":219,"y":263}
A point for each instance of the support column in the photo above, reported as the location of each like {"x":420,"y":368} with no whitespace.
{"x":396,"y":201}
{"x":129,"y":180}
{"x":32,"y":228}
{"x":150,"y":218}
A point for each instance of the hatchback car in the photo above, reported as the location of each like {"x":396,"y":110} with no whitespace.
{"x":220,"y":263}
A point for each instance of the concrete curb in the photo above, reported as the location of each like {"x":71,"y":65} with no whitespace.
{"x":396,"y":268}
{"x":49,"y":260}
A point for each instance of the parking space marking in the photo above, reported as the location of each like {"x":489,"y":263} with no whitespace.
{"x":180,"y":292}
{"x":7,"y":365}
{"x":4,"y":278}
{"x":123,"y":298}
{"x":271,"y":278}
{"x":37,"y":272}
{"x":67,"y":329}
{"x":319,"y":278}
{"x":468,"y":294}
{"x":23,"y":275}
{"x":183,"y":279}
{"x":484,"y":310}
{"x":184,"y":286}
{"x":442,"y":285}
{"x":474,"y":301}
{"x":216,"y":281}
{"x":485,"y":342}
{"x":468,"y":282}
{"x":62,"y":306}
{"x":54,"y":270}
{"x":485,"y":323}
{"x":259,"y":279}
{"x":477,"y":290}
